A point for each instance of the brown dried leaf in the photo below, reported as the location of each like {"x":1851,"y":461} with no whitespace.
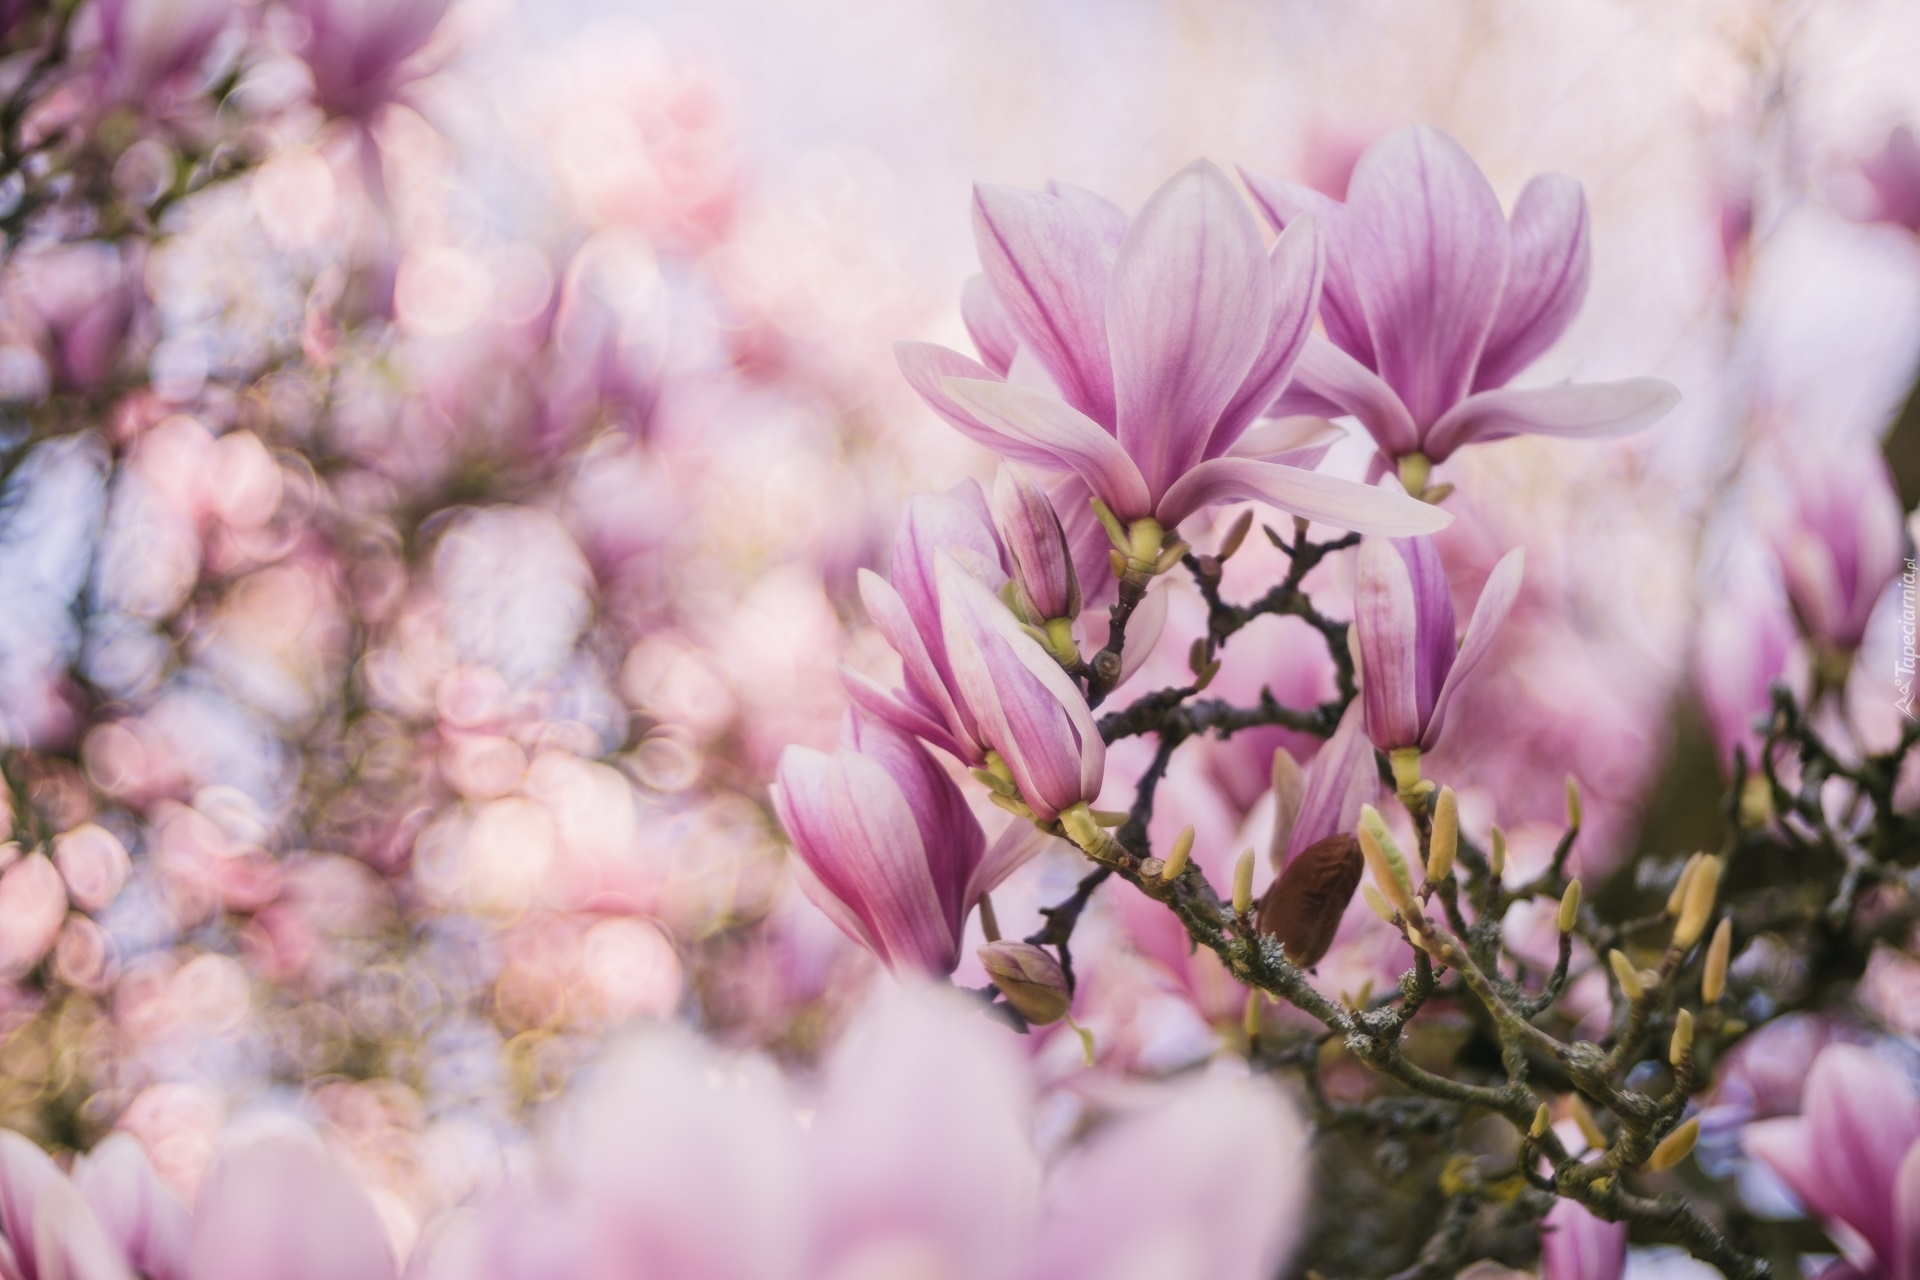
{"x":1303,"y":907}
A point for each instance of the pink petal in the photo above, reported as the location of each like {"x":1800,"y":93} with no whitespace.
{"x":928,"y":674}
{"x":1298,"y":263}
{"x":1574,"y":410}
{"x":927,"y":366}
{"x":1429,"y":260}
{"x":949,"y":832}
{"x":1387,"y":625}
{"x":1330,"y":500}
{"x":141,"y":1213}
{"x":1328,"y":374}
{"x":958,"y":524}
{"x":1018,"y":845}
{"x":1496,"y":600}
{"x":1906,"y":1217}
{"x":853,"y":826}
{"x":1107,"y":219}
{"x":1226,"y":1159}
{"x":1188,"y":308}
{"x":1864,"y":1113}
{"x":1434,"y":637}
{"x":1046,"y":266}
{"x":1340,"y":779}
{"x":1340,"y":309}
{"x":1066,"y":438}
{"x":1301,"y":440}
{"x":884,"y":704}
{"x":1027,"y":707}
{"x":277,"y":1207}
{"x":988,"y":325}
{"x":1575,"y":1245}
{"x":1546,"y":277}
{"x":1786,"y":1146}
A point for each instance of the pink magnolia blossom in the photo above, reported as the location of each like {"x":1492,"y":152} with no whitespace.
{"x":358,"y":49}
{"x":1575,"y":1245}
{"x":1162,"y":343}
{"x":144,"y":44}
{"x":1410,"y":666}
{"x":1743,"y":647}
{"x":888,"y":848}
{"x":1853,"y":1158}
{"x":1434,"y":300}
{"x":1839,"y":541}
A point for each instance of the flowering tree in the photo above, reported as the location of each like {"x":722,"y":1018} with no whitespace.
{"x":530,"y":751}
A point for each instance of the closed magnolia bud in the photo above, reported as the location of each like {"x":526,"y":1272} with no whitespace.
{"x":1542,"y":1121}
{"x":1030,"y":979}
{"x":1381,"y":907}
{"x":1678,"y":898}
{"x":1445,"y":840}
{"x":1289,"y":793}
{"x":1713,"y":982}
{"x":1235,"y":536}
{"x":1570,"y":907}
{"x":1682,"y":1044}
{"x":1497,"y":855}
{"x":1626,"y":975}
{"x":1302,"y":909}
{"x":1243,"y":884}
{"x":1031,"y":533}
{"x":1675,"y":1147}
{"x":1702,"y":887}
{"x":1383,"y":858}
{"x":1573,"y":801}
{"x":1177,"y":860}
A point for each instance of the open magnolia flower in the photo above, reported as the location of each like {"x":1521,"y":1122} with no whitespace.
{"x":1158,"y":342}
{"x":1434,"y":300}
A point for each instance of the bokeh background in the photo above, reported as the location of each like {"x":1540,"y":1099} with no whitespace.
{"x":419,"y":540}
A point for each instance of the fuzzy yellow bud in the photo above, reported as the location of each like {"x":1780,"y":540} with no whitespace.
{"x":1682,"y":1044}
{"x":1445,"y":839}
{"x":1702,"y":887}
{"x":1713,"y":981}
{"x":989,"y":922}
{"x":1675,"y":1147}
{"x":1177,"y":860}
{"x":1570,"y":907}
{"x":1678,"y":898}
{"x":1573,"y":801}
{"x":1381,"y":907}
{"x":1497,"y":856}
{"x":1542,"y":1121}
{"x":1243,"y":884}
{"x":1589,"y":1127}
{"x":1235,"y":536}
{"x":1383,"y":859}
{"x":1627,"y":975}
{"x":1250,"y":1016}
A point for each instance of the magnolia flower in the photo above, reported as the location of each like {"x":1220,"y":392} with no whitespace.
{"x":144,"y":44}
{"x":1744,"y":644}
{"x":888,"y":848}
{"x":1575,"y":1245}
{"x":1403,"y":618}
{"x":357,"y":49}
{"x":1434,"y":301}
{"x":1046,"y":585}
{"x":1839,"y":541}
{"x":1161,"y":349}
{"x":1853,"y":1158}
{"x":975,"y":682}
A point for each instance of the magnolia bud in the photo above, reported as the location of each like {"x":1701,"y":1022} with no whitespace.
{"x":1446,"y":837}
{"x":1682,"y":1044}
{"x":989,"y":922}
{"x":1675,"y":1147}
{"x":1573,"y":801}
{"x":1713,"y":981}
{"x":1250,"y":1016}
{"x":1627,"y":975}
{"x":1383,"y":859}
{"x":1177,"y":860}
{"x":1030,"y":530}
{"x":1289,"y":792}
{"x":1570,"y":907}
{"x":1497,"y":855}
{"x":1678,"y":898}
{"x":1030,"y":979}
{"x":1542,"y":1121}
{"x":1702,"y":887}
{"x":1381,"y":907}
{"x":1243,"y":884}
